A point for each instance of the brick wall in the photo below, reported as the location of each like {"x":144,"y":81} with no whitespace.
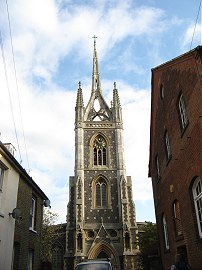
{"x":25,"y":238}
{"x":181,"y":75}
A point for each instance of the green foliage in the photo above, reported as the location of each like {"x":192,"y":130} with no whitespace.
{"x":148,"y":244}
{"x":49,"y":218}
{"x":48,"y":234}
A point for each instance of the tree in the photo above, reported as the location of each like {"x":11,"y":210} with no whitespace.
{"x":48,"y":234}
{"x":148,"y":243}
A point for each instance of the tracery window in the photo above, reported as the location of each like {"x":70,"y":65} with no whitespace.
{"x":197,"y":195}
{"x":100,"y":151}
{"x":101,"y":193}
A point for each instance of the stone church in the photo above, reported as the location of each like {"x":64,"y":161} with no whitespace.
{"x":101,"y":220}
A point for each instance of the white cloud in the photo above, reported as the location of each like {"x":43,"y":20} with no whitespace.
{"x":44,"y":33}
{"x":192,"y":36}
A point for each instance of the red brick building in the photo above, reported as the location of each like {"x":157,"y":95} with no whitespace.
{"x":175,"y":164}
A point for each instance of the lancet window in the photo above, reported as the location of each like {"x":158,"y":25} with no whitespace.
{"x":127,"y":241}
{"x":100,"y":151}
{"x":101,"y":193}
{"x":79,"y":242}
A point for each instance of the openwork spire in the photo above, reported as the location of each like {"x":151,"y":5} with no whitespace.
{"x":97,"y":108}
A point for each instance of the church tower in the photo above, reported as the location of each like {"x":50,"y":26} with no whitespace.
{"x":101,"y":221}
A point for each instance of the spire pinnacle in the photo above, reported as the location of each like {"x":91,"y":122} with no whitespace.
{"x":96,"y":84}
{"x":79,"y":100}
{"x":116,"y":100}
{"x":79,"y":84}
{"x":94,"y":40}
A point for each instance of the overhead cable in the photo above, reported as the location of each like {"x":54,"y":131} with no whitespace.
{"x":16,"y":82}
{"x":195,"y":24}
{"x":8,"y":88}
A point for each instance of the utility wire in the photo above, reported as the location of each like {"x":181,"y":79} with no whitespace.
{"x":16,"y":82}
{"x":195,"y":24}
{"x":8,"y":88}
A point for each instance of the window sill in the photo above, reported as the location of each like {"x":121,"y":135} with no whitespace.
{"x":32,"y":230}
{"x":166,"y":250}
{"x":100,"y":167}
{"x":199,"y":240}
{"x":169,"y":159}
{"x":158,"y":179}
{"x":184,"y":129}
{"x":179,"y":237}
{"x":98,"y":208}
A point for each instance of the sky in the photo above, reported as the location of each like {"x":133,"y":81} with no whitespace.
{"x":48,"y":49}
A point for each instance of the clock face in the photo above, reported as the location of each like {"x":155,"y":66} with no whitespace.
{"x":99,"y":142}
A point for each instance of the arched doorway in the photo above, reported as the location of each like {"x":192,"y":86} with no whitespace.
{"x":103,"y":250}
{"x":102,"y":255}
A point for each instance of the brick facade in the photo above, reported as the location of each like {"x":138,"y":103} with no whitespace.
{"x":26,"y":239}
{"x":26,"y":242}
{"x":173,"y":178}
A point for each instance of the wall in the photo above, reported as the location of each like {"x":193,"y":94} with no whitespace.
{"x":182,"y":75}
{"x":8,"y":199}
{"x":25,"y":238}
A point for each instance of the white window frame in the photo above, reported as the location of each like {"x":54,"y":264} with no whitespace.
{"x":197,"y":195}
{"x":162,"y":91}
{"x":183,"y":113}
{"x":32,"y":214}
{"x":1,"y":177}
{"x":30,"y":259}
{"x":158,"y":169}
{"x":168,"y":147}
{"x":165,"y":232}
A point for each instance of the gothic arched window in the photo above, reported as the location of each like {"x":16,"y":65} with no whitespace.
{"x":101,"y":193}
{"x":197,"y":194}
{"x":100,"y":151}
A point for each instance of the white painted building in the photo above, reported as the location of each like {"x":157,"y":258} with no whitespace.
{"x":9,"y":181}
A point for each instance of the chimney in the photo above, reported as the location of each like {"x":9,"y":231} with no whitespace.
{"x":10,"y":148}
